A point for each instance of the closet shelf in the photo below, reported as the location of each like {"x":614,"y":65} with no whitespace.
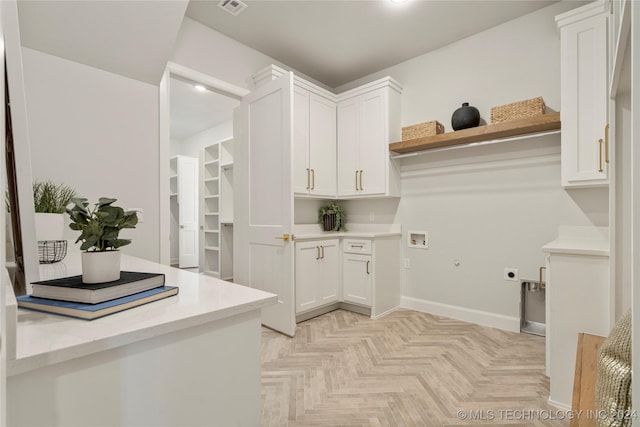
{"x":497,"y":131}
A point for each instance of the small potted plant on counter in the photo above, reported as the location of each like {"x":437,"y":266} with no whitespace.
{"x":99,"y":229}
{"x":332,"y":217}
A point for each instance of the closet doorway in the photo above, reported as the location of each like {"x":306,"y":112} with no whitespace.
{"x":196,"y":167}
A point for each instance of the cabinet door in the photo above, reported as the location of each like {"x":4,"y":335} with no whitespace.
{"x":373,"y":151}
{"x":301,"y":172}
{"x":356,"y":278}
{"x":329,"y":286}
{"x":322,"y":146}
{"x":584,"y":102}
{"x":307,"y":275}
{"x":348,"y":135}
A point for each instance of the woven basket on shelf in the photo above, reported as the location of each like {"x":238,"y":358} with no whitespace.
{"x":518,"y":110}
{"x":422,"y":129}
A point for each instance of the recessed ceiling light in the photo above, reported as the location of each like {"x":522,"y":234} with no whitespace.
{"x":398,"y":1}
{"x":200,"y":88}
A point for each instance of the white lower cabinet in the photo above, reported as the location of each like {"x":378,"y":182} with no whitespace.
{"x":317,"y":273}
{"x":356,"y":278}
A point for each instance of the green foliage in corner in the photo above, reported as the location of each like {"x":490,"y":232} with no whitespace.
{"x":101,"y":225}
{"x":341,"y":216}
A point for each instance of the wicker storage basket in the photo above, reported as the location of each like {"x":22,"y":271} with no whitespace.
{"x":422,"y":129}
{"x":518,"y":110}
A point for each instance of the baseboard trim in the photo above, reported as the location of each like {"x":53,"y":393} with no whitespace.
{"x":381,"y":315}
{"x":559,"y":405}
{"x":479,"y":317}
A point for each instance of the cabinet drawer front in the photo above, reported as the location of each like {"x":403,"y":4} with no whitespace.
{"x":356,"y":246}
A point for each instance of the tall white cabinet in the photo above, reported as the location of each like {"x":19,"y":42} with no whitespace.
{"x":216,"y":215}
{"x":368,"y":120}
{"x":584,"y":91}
{"x":183,"y":186}
{"x":314,"y":141}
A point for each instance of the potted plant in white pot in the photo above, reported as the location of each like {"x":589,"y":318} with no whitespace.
{"x":50,"y":201}
{"x":99,"y":229}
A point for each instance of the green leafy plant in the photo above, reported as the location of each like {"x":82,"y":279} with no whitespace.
{"x":49,"y":197}
{"x":101,"y":225}
{"x":331,"y":209}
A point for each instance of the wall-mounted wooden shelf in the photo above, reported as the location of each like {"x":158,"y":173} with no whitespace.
{"x":545,"y":122}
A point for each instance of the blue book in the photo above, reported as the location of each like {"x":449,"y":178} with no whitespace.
{"x":94,"y":311}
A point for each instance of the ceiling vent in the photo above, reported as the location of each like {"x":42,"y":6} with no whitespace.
{"x":234,"y":7}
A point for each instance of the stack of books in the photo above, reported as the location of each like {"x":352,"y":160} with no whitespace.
{"x":69,"y":296}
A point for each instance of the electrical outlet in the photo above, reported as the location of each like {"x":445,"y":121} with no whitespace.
{"x":407,"y":263}
{"x":511,"y":274}
{"x":372,"y":216}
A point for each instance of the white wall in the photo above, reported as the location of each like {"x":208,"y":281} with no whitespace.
{"x":489,"y":207}
{"x":98,"y":132}
{"x":192,"y":145}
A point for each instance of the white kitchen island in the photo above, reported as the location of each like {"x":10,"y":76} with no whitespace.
{"x":188,"y":360}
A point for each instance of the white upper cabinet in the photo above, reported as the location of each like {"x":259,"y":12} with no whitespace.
{"x":314,"y":144}
{"x":368,"y":120}
{"x":584,"y":91}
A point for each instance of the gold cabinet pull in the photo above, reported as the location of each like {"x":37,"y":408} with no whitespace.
{"x":356,"y":180}
{"x":357,"y":246}
{"x":606,"y":143}
{"x":181,"y":226}
{"x":600,"y":152}
{"x":361,"y":181}
{"x":318,"y":253}
{"x":542,"y":284}
{"x":368,"y":261}
{"x":308,"y":178}
{"x":322,"y":248}
{"x":285,"y":237}
{"x":313,"y":179}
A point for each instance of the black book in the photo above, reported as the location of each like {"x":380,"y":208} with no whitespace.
{"x":73,"y":289}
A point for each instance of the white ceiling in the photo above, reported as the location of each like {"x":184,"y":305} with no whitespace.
{"x":192,"y":111}
{"x":133,"y":38}
{"x":332,"y":41}
{"x":338,"y":41}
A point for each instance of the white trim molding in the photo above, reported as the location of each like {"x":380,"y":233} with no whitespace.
{"x":484,"y":318}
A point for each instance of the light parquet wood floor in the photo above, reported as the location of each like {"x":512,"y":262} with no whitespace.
{"x":405,"y":369}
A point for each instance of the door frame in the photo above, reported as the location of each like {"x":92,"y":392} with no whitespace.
{"x":217,"y":85}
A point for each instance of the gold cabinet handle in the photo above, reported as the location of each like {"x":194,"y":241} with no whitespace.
{"x":356,"y":180}
{"x":600,"y":152}
{"x":322,"y":248}
{"x":284,"y":237}
{"x":368,"y":266}
{"x":357,"y":246}
{"x":181,"y":226}
{"x":606,"y":143}
{"x":361,"y":181}
{"x":318,"y":253}
{"x":308,"y":178}
{"x":542,"y":284}
{"x":313,"y":179}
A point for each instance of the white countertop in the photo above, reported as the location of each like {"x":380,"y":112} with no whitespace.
{"x":43,"y":339}
{"x":580,"y":241}
{"x":365,"y":231}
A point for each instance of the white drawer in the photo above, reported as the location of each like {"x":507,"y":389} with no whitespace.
{"x":357,"y":246}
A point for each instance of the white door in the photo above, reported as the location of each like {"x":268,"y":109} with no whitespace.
{"x":373,"y":151}
{"x":322,"y":146}
{"x":348,"y":136}
{"x":357,"y":278}
{"x":301,"y":172}
{"x":263,"y":202}
{"x":188,"y":211}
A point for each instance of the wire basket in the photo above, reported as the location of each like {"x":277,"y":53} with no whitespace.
{"x":50,"y":251}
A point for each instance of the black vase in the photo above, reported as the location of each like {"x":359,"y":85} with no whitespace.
{"x":465,"y":117}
